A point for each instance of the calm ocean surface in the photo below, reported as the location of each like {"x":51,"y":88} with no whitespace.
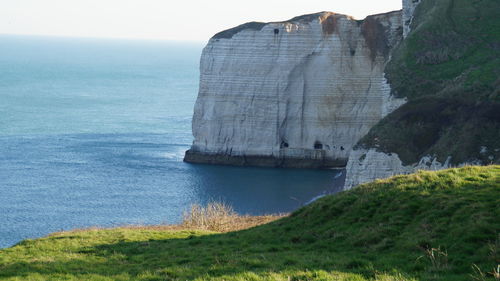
{"x":92,"y":133}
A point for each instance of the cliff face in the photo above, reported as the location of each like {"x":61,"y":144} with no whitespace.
{"x":299,"y":93}
{"x":312,"y":91}
{"x":409,"y":7}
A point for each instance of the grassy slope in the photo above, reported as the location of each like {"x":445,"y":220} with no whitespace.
{"x":449,"y":69}
{"x":383,"y":230}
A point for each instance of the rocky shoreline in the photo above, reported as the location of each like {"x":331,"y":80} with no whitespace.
{"x":263,"y":161}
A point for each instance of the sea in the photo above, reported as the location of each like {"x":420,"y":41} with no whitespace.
{"x":93,"y":133}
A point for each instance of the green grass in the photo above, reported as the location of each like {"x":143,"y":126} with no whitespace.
{"x":440,"y":127}
{"x":425,"y":226}
{"x":448,"y":68}
{"x":453,"y":42}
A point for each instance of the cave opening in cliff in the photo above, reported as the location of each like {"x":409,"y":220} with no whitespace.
{"x":284,"y":144}
{"x":276,"y":31}
{"x":318,"y":145}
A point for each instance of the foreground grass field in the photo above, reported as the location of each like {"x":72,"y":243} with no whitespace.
{"x":426,"y":226}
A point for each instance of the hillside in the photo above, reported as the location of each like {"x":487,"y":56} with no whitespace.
{"x":425,"y":226}
{"x":448,"y":68}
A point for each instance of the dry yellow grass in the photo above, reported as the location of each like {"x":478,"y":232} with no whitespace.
{"x":220,"y":217}
{"x":215,"y":216}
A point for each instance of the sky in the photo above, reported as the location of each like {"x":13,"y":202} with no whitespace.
{"x":183,"y":20}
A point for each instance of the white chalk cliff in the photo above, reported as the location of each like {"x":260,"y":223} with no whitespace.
{"x":366,"y":165}
{"x":299,"y":93}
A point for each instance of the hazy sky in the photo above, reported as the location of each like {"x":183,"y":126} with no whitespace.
{"x":163,"y":19}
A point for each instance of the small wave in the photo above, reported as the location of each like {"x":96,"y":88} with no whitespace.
{"x":71,"y":162}
{"x":175,"y":155}
{"x":170,"y":156}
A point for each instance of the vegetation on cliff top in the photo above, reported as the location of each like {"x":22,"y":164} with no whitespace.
{"x":425,"y":226}
{"x":449,"y":70}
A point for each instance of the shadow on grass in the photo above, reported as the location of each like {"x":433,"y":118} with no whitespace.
{"x":244,"y":253}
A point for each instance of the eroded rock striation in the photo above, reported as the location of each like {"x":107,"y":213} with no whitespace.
{"x":299,"y":93}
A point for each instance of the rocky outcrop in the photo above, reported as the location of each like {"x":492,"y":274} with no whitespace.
{"x":298,"y":93}
{"x":366,"y":165}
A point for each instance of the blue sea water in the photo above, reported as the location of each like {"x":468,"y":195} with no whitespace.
{"x":92,"y":133}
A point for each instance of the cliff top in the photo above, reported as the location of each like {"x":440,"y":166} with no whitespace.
{"x":229,"y":33}
{"x":425,"y":226}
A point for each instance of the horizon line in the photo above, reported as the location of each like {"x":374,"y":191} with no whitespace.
{"x":110,"y":38}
